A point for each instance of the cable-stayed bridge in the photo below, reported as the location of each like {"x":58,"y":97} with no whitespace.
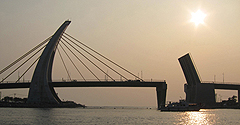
{"x":83,"y":58}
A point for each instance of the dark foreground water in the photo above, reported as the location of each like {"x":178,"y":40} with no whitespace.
{"x":118,"y":116}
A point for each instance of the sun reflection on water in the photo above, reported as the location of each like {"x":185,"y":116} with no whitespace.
{"x":201,"y":118}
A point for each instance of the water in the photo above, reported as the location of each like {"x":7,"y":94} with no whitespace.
{"x":118,"y":116}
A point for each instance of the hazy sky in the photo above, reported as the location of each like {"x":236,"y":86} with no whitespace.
{"x":140,"y":35}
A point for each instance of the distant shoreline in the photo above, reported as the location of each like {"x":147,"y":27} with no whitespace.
{"x":26,"y":105}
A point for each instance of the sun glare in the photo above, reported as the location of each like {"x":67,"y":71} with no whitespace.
{"x":198,"y":17}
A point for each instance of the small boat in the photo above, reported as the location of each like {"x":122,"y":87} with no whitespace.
{"x":182,"y":105}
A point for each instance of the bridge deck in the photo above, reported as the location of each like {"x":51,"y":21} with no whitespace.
{"x":88,"y":84}
{"x":225,"y":86}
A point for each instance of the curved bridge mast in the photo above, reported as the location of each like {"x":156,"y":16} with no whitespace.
{"x":40,"y":91}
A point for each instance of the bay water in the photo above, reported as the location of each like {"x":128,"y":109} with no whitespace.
{"x":115,"y":116}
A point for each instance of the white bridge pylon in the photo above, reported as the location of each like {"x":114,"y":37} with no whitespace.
{"x":40,"y":90}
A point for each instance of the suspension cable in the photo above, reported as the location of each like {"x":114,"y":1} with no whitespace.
{"x":98,"y":60}
{"x":64,"y":64}
{"x":22,"y":64}
{"x":72,"y":62}
{"x":81,"y":61}
{"x":102,"y":56}
{"x":26,"y":54}
{"x":89,"y":60}
{"x":27,"y":69}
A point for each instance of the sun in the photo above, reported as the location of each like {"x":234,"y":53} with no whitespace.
{"x":198,"y":17}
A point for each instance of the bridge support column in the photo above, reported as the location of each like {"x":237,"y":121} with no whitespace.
{"x":238,"y":96}
{"x":161,"y":95}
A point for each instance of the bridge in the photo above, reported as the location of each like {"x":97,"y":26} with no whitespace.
{"x":198,"y":91}
{"x":41,"y":87}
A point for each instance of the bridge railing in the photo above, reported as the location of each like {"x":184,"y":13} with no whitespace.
{"x":217,"y":82}
{"x":25,"y":81}
{"x":88,"y":80}
{"x":105,"y":80}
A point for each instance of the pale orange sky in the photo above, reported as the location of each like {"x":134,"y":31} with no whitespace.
{"x":147,"y":36}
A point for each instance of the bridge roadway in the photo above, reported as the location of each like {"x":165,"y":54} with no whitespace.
{"x":161,"y":87}
{"x":226,"y":87}
{"x":87,"y":84}
{"x":229,"y":87}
